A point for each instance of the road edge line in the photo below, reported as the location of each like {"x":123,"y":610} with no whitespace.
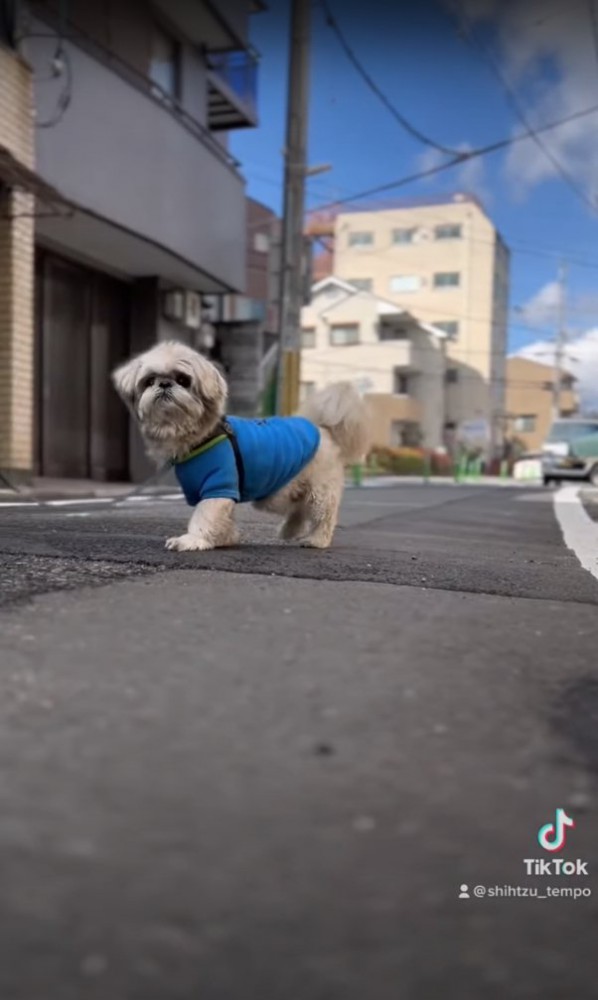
{"x":580,"y":532}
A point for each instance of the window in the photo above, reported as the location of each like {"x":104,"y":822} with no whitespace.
{"x":449,"y":326}
{"x":452,"y":376}
{"x":525,"y":424}
{"x":403,"y":236}
{"x":362,"y":284}
{"x":401,"y":382}
{"x":308,"y":337}
{"x":342,"y":336}
{"x":361,"y":239}
{"x":305,"y":390}
{"x":448,"y":231}
{"x":388,"y":332}
{"x":447,"y":279}
{"x":261,"y":242}
{"x":165,"y":62}
{"x":404,"y":283}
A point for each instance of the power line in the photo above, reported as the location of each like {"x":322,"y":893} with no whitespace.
{"x":405,"y":124}
{"x":492,"y":147}
{"x":515,"y":106}
{"x":594,"y":24}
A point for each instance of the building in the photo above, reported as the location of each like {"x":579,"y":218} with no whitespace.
{"x":139,"y":210}
{"x":247,"y":325}
{"x":444,"y":260}
{"x":529,"y":402}
{"x":395,"y":360}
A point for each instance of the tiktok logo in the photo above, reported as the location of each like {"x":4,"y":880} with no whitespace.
{"x":552,"y":836}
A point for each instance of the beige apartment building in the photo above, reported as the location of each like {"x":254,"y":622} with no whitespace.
{"x":529,"y":401}
{"x":445,"y":262}
{"x":395,"y":360}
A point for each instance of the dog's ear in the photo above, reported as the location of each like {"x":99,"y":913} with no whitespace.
{"x":124,"y":379}
{"x":212,"y":385}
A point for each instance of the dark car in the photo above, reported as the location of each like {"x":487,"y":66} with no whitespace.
{"x":571,"y":451}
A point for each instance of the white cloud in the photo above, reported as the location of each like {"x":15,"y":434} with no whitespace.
{"x":469,"y":177}
{"x":547,"y":53}
{"x":580,"y":358}
{"x":542,"y":309}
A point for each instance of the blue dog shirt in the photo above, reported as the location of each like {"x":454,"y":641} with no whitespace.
{"x":273,"y":451}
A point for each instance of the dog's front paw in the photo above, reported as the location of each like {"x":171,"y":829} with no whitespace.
{"x":188,"y":543}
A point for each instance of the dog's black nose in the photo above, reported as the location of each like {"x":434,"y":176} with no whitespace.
{"x":165,"y":383}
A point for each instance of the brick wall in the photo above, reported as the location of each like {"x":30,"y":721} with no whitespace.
{"x":16,"y":273}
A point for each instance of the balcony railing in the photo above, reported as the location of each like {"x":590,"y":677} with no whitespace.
{"x":232,"y":89}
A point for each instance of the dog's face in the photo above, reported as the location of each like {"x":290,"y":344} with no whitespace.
{"x":176,"y":395}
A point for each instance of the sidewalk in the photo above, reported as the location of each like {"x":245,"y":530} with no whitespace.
{"x":49,"y":488}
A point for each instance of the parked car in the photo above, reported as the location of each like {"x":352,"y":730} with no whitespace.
{"x":571,"y":451}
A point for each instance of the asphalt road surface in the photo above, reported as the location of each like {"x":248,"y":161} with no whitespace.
{"x":265,"y":773}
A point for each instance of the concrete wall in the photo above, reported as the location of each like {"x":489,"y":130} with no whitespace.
{"x":16,"y":274}
{"x":121,"y":154}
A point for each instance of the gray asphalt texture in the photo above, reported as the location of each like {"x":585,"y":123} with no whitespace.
{"x":265,"y":772}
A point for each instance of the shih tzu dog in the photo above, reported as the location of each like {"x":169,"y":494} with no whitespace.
{"x":292,"y":466}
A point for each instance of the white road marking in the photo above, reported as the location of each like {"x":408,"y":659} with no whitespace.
{"x":580,"y":532}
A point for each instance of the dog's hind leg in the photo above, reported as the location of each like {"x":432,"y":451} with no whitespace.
{"x":295,"y":525}
{"x":322,"y":510}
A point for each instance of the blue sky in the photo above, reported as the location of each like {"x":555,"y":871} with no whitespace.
{"x":444,"y":85}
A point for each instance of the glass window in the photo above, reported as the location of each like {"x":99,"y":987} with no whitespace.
{"x":401,"y":383}
{"x":341,"y":336}
{"x":525,"y":423}
{"x":362,"y":284}
{"x":388,"y":332}
{"x":308,"y":337}
{"x":447,"y":279}
{"x":261,"y":242}
{"x":405,"y":283}
{"x":448,"y":231}
{"x":361,"y":239}
{"x":403,"y":236}
{"x":165,"y":62}
{"x":448,"y":326}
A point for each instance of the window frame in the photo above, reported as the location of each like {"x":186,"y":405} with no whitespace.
{"x":446,"y":284}
{"x":160,"y":30}
{"x":403,"y":229}
{"x":448,"y":226}
{"x":397,"y":375}
{"x":353,"y":241}
{"x":344,"y":326}
{"x":404,"y":291}
{"x":309,"y":330}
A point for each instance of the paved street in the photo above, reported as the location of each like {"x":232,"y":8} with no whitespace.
{"x":264,"y":773}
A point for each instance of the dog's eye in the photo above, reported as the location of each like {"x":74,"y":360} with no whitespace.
{"x":149,"y":381}
{"x":182,"y":380}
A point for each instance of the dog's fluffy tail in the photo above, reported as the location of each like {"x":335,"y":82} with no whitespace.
{"x":342,"y":412}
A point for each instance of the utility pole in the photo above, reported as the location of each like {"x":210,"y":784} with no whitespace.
{"x":292,"y":242}
{"x":559,"y":347}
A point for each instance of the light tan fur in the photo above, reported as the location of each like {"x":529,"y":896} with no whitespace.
{"x":172,"y":424}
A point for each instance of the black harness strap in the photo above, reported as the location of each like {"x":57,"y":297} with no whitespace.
{"x":232,"y":437}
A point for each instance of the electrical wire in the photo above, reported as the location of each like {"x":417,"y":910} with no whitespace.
{"x":594,"y":25}
{"x":404,"y":122}
{"x":513,"y":102}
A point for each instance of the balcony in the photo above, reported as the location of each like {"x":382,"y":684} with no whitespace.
{"x":232,"y":90}
{"x":132,"y":164}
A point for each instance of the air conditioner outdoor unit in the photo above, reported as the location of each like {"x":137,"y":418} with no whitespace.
{"x":192,"y":315}
{"x":173,"y":305}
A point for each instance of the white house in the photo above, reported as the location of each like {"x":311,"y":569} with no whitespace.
{"x":394,"y":359}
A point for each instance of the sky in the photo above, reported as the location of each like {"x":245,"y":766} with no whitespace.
{"x":443,"y":64}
